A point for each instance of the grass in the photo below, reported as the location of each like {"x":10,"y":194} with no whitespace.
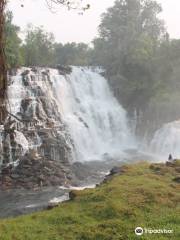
{"x":144,"y":195}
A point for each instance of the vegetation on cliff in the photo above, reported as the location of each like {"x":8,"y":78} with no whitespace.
{"x":142,"y":194}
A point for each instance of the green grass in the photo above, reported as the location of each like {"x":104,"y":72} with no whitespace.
{"x":144,"y":195}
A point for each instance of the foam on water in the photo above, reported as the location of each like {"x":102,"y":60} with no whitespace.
{"x":166,"y":140}
{"x":97,"y":122}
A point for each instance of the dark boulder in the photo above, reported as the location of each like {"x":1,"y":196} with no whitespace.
{"x":63,"y":70}
{"x":51,"y":206}
{"x":25,"y":73}
{"x":176,"y":179}
{"x":72,"y":195}
{"x":115,"y":170}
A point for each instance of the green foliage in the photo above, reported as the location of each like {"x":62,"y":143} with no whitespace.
{"x":72,"y":54}
{"x":142,"y":63}
{"x":164,"y":106}
{"x":13,"y":43}
{"x":38,"y":47}
{"x":130,"y":33}
{"x":144,"y":195}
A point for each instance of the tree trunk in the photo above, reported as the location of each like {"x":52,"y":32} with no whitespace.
{"x":3,"y":67}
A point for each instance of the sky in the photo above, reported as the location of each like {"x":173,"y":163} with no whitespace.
{"x":70,"y":26}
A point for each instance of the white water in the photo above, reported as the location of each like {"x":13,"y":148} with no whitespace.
{"x":97,"y":123}
{"x":167,"y":140}
{"x":16,"y":92}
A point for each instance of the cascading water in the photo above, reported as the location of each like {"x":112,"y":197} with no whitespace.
{"x":54,"y":107}
{"x":166,"y":140}
{"x":98,"y":124}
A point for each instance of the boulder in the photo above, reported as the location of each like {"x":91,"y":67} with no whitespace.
{"x":176,"y":179}
{"x":115,"y":170}
{"x":25,"y":73}
{"x":63,"y":70}
{"x":51,"y":206}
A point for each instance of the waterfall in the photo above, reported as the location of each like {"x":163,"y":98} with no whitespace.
{"x":65,"y":116}
{"x":98,"y":124}
{"x":166,"y":140}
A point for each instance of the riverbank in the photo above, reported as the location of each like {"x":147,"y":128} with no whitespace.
{"x":140,"y":194}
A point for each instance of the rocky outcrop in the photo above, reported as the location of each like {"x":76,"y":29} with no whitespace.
{"x":176,"y":179}
{"x":63,"y":70}
{"x":35,"y":171}
{"x":114,"y":172}
{"x":37,"y":148}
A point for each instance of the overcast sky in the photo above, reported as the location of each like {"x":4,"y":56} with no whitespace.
{"x":69,"y":26}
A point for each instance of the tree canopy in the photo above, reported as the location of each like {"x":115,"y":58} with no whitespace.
{"x":38,"y":46}
{"x":130,"y":34}
{"x":13,"y":42}
{"x":141,"y":61}
{"x":40,"y":49}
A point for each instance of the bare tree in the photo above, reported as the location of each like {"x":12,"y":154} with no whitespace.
{"x":78,"y":4}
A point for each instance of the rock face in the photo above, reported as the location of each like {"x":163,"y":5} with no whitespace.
{"x":34,"y":172}
{"x":176,"y":179}
{"x":36,"y":148}
{"x":47,"y":109}
{"x":63,"y":70}
{"x":114,"y":172}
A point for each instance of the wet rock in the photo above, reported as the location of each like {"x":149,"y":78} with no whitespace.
{"x":51,"y":206}
{"x":25,"y":73}
{"x":33,"y":171}
{"x":176,"y":179}
{"x":84,"y":123}
{"x":63,"y":70}
{"x":177,"y":169}
{"x":170,"y":164}
{"x":72,"y":195}
{"x":114,"y":171}
{"x":12,"y":71}
{"x":15,"y":176}
{"x":80,"y":170}
{"x":46,"y":72}
{"x":6,"y":170}
{"x":49,"y":152}
{"x":34,"y":154}
{"x":25,"y":106}
{"x":54,"y":180}
{"x":25,"y":78}
{"x":50,"y":123}
{"x":34,"y":69}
